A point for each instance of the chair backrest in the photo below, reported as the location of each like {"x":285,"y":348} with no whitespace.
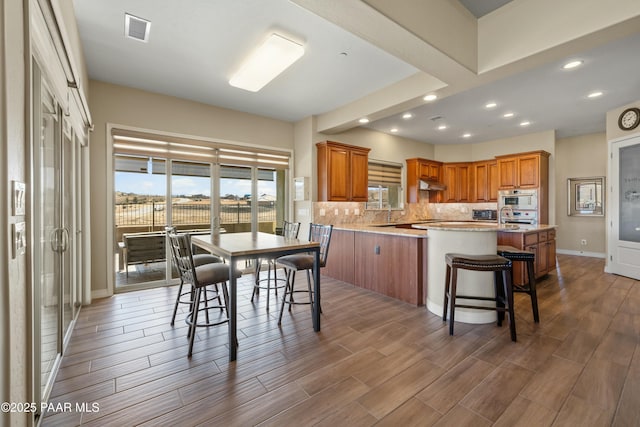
{"x":182,"y":256}
{"x":290,"y":230}
{"x":322,"y":234}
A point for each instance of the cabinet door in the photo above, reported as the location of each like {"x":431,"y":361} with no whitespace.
{"x":338,"y":174}
{"x":430,"y":170}
{"x":492,"y":184}
{"x":535,"y":250}
{"x":465,"y":181}
{"x":359,"y":176}
{"x":541,"y":259}
{"x":449,"y":178}
{"x":528,"y":175}
{"x":551,"y":255}
{"x":481,"y":182}
{"x":507,"y":173}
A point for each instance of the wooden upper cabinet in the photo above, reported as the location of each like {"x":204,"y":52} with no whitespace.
{"x":459,"y":179}
{"x":342,"y":172}
{"x":525,"y":170}
{"x":418,"y":168}
{"x":485,"y":186}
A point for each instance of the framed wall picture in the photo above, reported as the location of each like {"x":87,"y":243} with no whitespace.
{"x":586,"y":196}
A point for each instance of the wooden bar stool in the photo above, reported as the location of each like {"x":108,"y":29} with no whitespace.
{"x":528,"y":258}
{"x":502,"y":282}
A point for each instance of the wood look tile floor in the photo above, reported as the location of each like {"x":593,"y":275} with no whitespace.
{"x":376,"y":361}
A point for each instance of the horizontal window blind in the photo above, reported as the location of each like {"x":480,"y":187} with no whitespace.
{"x":384,"y":174}
{"x":161,"y":146}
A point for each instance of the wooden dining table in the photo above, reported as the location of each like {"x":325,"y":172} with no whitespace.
{"x":234,"y":247}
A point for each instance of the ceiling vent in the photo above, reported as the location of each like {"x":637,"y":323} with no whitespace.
{"x":136,"y":28}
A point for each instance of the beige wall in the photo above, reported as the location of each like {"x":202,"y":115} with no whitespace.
{"x":579,"y":157}
{"x":613,"y":131}
{"x":119,"y":105}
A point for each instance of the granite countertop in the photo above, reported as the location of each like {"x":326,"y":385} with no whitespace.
{"x":389,"y":229}
{"x":467,"y":226}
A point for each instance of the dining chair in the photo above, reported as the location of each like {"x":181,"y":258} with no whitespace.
{"x":198,"y":260}
{"x":200,"y":277}
{"x":290,"y":230}
{"x":297,"y":262}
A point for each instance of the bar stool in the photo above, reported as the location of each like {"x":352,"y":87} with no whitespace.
{"x":502,"y":285}
{"x":528,"y":258}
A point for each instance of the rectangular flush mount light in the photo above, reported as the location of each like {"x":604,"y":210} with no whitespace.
{"x":271,"y":58}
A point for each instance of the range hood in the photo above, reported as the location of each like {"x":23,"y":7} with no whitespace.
{"x":431,"y":185}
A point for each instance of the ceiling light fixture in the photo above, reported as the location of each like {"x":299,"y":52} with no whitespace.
{"x":394,"y":130}
{"x":572,"y":64}
{"x":466,"y":135}
{"x":363,"y":120}
{"x":525,"y":123}
{"x":508,"y":115}
{"x":594,"y":94}
{"x":407,"y":116}
{"x":491,"y":105}
{"x":430,"y":97}
{"x":265,"y":63}
{"x":442,"y":127}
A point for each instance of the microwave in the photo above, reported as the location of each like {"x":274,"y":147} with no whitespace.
{"x":518,"y":199}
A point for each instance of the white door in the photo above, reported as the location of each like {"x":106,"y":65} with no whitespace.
{"x":624,"y":208}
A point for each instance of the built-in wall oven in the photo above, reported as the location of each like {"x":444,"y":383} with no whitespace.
{"x":518,"y":206}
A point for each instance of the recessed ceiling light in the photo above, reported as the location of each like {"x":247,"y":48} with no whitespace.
{"x":442,"y":127}
{"x":594,"y":94}
{"x":430,"y":97}
{"x":266,"y":62}
{"x":572,"y":64}
{"x":525,"y":123}
{"x":466,"y":135}
{"x":363,"y":120}
{"x":394,"y":130}
{"x":407,"y":116}
{"x":508,"y":115}
{"x":491,"y":105}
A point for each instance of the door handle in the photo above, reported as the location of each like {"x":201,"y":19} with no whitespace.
{"x":65,"y":239}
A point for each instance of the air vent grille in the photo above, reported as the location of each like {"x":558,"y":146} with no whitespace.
{"x":136,"y":28}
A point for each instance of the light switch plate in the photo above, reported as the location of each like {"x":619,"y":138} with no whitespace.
{"x":19,"y":238}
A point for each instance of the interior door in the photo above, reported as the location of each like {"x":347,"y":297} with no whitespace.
{"x":624,"y":205}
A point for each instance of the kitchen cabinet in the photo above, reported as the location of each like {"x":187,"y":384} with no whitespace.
{"x":458,"y":178}
{"x":342,"y":172}
{"x":418,"y":168}
{"x":524,"y":170}
{"x":485,"y":185}
{"x":392,"y":265}
{"x":542,"y":243}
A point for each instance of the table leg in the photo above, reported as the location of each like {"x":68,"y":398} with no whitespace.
{"x":233,"y":293}
{"x":316,"y":290}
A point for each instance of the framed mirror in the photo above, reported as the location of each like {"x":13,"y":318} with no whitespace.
{"x":586,"y":196}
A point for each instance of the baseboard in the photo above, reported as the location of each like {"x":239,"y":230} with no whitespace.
{"x":581,"y":253}
{"x":102,"y":293}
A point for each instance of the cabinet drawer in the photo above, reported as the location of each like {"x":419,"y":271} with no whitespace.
{"x":542,"y":236}
{"x":530,"y":239}
{"x":551,"y":234}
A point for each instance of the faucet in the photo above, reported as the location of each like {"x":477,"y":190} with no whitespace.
{"x":509,"y":213}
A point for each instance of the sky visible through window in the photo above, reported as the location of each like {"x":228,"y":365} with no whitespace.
{"x":155,"y":184}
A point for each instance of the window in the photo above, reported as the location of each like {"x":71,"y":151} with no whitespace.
{"x":385,"y":185}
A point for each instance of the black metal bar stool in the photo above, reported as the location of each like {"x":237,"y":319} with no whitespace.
{"x":502,"y":284}
{"x":528,"y":258}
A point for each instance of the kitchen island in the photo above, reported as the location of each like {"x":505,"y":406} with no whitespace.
{"x":384,"y":259}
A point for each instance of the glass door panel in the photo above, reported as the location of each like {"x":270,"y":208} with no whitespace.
{"x":235,"y":198}
{"x":270,"y":200}
{"x":68,"y":230}
{"x":140,"y":217}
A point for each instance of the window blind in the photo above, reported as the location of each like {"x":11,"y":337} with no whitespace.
{"x":168,"y":147}
{"x":384,"y":174}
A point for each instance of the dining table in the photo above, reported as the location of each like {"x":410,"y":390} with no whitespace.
{"x":234,"y":247}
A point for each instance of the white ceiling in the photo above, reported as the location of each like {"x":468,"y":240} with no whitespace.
{"x":194,"y":47}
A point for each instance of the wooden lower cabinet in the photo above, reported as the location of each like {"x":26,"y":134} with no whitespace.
{"x":391,"y":265}
{"x":541,"y":243}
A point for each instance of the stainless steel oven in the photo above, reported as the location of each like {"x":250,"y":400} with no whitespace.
{"x":518,"y":199}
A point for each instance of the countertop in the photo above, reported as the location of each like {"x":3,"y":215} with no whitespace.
{"x":419,"y":230}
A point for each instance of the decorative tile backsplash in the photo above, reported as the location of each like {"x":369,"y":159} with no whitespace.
{"x":355,"y":212}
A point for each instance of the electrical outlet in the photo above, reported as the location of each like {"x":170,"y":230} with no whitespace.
{"x":346,"y":211}
{"x":336,"y":212}
{"x":322,"y":212}
{"x":583,"y":242}
{"x":356,"y":211}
